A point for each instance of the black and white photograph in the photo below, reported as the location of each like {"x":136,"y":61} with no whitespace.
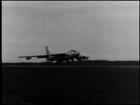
{"x":70,"y":52}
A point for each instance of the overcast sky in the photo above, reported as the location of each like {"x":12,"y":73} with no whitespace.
{"x":107,"y":30}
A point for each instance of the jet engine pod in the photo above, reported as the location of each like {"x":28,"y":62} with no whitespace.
{"x":84,"y":57}
{"x":51,"y":58}
{"x":80,"y":57}
{"x":28,"y":58}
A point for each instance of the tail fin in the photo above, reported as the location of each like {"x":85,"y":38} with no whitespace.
{"x":47,"y":51}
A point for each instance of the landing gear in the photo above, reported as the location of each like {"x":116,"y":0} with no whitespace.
{"x":68,"y":63}
{"x":77,"y":62}
{"x":57,"y":63}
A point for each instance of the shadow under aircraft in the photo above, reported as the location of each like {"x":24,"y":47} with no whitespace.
{"x":60,"y":57}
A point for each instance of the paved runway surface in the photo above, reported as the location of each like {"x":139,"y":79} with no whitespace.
{"x":61,"y":66}
{"x":59,"y":84}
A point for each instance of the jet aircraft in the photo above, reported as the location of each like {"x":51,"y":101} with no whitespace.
{"x":58,"y":58}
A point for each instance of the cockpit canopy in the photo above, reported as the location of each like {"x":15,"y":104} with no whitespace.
{"x":72,"y":52}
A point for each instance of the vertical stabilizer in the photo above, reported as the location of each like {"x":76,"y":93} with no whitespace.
{"x":47,"y":51}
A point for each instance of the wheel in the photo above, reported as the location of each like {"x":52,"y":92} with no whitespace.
{"x":57,"y":63}
{"x":68,"y":63}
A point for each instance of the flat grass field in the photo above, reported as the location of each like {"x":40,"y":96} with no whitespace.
{"x":77,"y":85}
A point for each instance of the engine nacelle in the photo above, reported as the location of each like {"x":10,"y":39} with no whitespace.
{"x":51,"y":58}
{"x":28,"y":58}
{"x":82,"y":57}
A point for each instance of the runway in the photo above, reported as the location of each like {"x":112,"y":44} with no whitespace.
{"x":73,"y":66}
{"x":70,"y":84}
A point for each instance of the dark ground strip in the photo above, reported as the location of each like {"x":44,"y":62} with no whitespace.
{"x":70,"y":85}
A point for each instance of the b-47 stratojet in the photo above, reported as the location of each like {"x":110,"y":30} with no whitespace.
{"x":58,"y":58}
